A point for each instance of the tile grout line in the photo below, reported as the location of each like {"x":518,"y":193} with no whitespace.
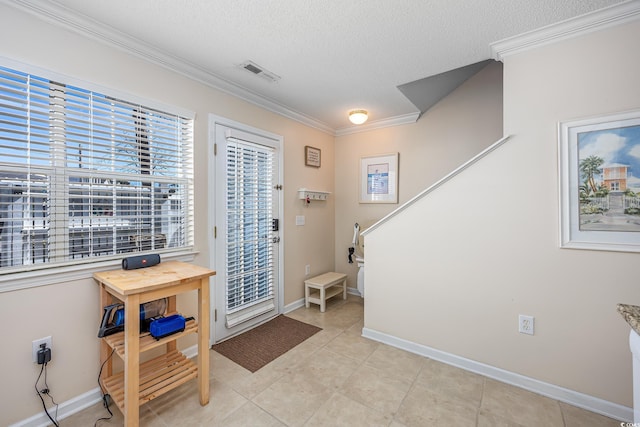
{"x":564,"y":421}
{"x":484,"y":383}
{"x":411,"y":387}
{"x":336,"y":391}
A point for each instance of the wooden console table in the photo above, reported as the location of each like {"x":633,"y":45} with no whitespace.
{"x":140,"y":383}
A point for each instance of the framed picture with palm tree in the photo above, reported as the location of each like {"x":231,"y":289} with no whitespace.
{"x":599,"y":165}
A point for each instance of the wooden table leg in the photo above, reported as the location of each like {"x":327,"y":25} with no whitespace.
{"x":203,"y":341}
{"x":171,"y":308}
{"x":344,"y":289}
{"x":131,"y":360}
{"x":105,"y":349}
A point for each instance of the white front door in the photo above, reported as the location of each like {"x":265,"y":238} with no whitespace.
{"x":247,"y":245}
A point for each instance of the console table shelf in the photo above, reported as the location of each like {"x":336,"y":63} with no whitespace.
{"x":139,"y":382}
{"x":147,"y":342}
{"x":157,"y":376}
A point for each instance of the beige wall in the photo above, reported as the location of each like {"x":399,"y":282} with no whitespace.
{"x":69,"y":312}
{"x":446,"y":136}
{"x":485,"y":247}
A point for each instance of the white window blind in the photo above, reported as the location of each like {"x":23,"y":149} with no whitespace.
{"x":86,"y":175}
{"x":250,"y":257}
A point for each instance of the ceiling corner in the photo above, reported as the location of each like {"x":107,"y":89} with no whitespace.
{"x":580,"y":25}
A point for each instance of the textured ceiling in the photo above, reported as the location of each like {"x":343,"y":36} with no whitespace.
{"x":331,"y":55}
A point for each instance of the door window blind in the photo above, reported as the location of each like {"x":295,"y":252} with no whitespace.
{"x":250,"y":256}
{"x":86,"y":175}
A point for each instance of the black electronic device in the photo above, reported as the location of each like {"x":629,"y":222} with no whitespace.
{"x":113,"y":316}
{"x":140,"y":261}
{"x":44,"y":354}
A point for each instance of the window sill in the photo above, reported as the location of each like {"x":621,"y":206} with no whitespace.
{"x":52,"y":275}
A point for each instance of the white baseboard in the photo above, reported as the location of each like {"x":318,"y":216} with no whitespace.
{"x":65,"y":409}
{"x":293,"y":306}
{"x":190,"y":352}
{"x":353,"y":291}
{"x":594,"y":404}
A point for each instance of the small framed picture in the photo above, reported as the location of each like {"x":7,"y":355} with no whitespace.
{"x":312,"y":156}
{"x":379,"y":179}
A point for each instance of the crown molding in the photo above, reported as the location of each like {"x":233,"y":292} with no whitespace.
{"x":580,"y":25}
{"x":379,"y":124}
{"x":60,"y":15}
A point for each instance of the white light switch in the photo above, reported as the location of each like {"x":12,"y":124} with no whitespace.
{"x":299,"y":219}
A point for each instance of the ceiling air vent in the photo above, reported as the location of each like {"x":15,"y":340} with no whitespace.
{"x":259,"y":71}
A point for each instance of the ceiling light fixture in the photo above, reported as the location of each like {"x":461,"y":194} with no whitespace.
{"x":358,"y":117}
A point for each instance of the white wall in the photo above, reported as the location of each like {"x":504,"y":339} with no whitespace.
{"x":453,"y":272}
{"x":446,"y":136}
{"x":70,"y":312}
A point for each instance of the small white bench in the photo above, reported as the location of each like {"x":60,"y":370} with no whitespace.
{"x":319,"y":289}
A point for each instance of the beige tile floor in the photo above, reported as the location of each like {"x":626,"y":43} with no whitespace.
{"x":338,"y":378}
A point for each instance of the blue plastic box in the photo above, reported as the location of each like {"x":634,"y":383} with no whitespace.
{"x":166,"y":326}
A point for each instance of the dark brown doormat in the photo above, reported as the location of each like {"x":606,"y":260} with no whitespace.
{"x":257,"y":347}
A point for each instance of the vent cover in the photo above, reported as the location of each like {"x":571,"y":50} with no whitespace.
{"x":259,"y":71}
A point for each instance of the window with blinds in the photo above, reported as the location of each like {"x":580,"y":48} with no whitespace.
{"x":250,"y":257}
{"x":86,"y":175}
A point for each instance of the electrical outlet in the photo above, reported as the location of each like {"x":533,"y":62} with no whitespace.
{"x":35,"y":346}
{"x":525,"y":324}
{"x":307,"y":270}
